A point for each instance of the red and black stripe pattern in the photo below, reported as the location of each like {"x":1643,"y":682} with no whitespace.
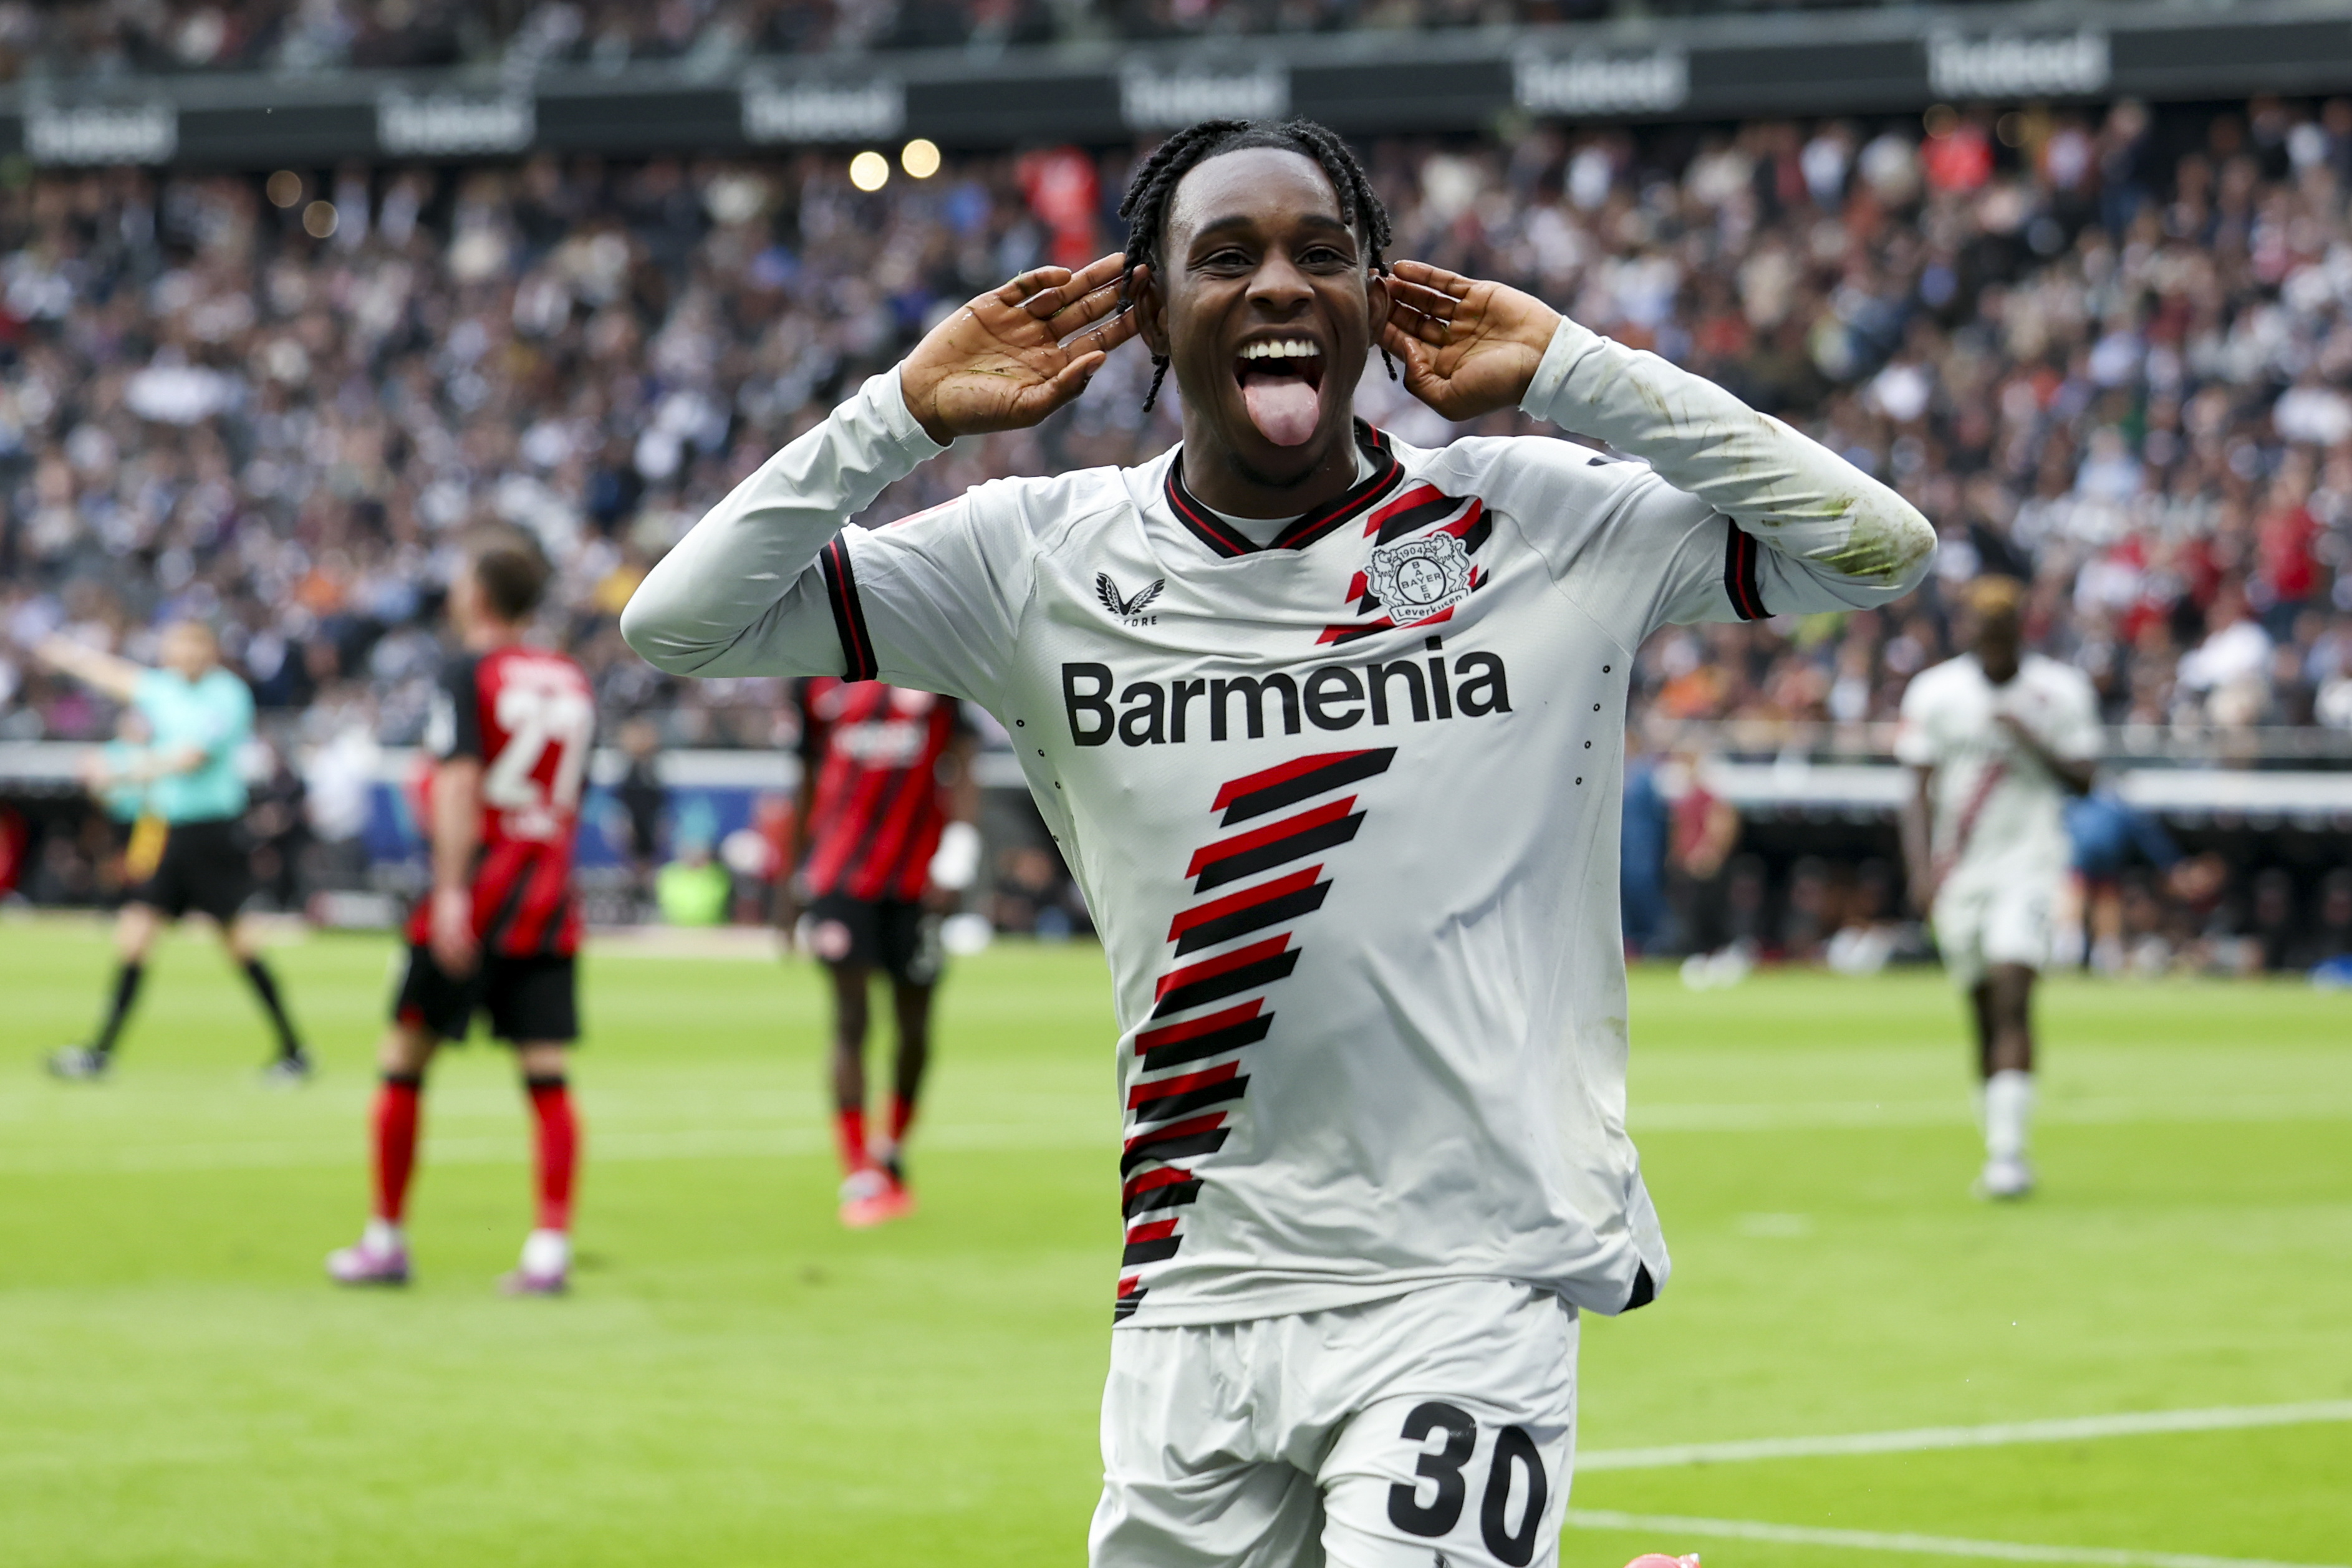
{"x":1178,"y":1111}
{"x":1739,"y":556}
{"x":871,"y":755}
{"x":1421,"y":510}
{"x":1223,"y":541}
{"x":858,"y":658}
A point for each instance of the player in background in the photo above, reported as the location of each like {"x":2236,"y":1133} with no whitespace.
{"x":1996,"y":739}
{"x":1330,"y":728}
{"x":890,"y":844}
{"x":509,"y":741}
{"x":198,"y":717}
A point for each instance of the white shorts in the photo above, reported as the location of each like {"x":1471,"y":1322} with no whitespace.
{"x":1431,"y":1431}
{"x":1981,"y":923}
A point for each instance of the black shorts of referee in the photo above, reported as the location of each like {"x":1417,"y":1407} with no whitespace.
{"x":206,"y":865}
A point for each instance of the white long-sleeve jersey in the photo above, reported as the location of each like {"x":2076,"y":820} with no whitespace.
{"x":1345,"y":808}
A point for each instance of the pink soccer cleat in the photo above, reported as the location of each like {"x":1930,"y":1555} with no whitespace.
{"x":365,"y":1265}
{"x":545,"y":1268}
{"x":1660,"y":1560}
{"x":526,"y":1282}
{"x":873,"y":1197}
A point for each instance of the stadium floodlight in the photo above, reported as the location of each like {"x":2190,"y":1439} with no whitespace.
{"x":921,"y":158}
{"x":285,"y":188}
{"x":869,"y":170}
{"x":318,"y":220}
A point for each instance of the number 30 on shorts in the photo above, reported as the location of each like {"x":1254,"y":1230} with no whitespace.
{"x":1514,"y":1456}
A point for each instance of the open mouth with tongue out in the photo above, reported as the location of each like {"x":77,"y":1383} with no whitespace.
{"x":1282,"y":386}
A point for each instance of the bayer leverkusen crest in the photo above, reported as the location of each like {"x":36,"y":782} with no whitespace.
{"x":1416,"y":579}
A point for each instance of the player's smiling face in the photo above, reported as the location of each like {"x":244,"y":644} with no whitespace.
{"x":1267,"y":312}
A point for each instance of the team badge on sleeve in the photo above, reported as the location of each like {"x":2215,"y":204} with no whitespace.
{"x":1417,"y":579}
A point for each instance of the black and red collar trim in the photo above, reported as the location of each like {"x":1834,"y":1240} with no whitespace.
{"x":1220,"y":538}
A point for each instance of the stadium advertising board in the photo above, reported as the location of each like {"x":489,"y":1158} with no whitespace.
{"x":1877,"y":62}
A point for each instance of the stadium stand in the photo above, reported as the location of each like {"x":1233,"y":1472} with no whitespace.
{"x":104,"y":37}
{"x":2103,"y":349}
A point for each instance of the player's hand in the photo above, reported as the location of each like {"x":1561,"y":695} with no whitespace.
{"x":453,"y":944}
{"x":787,"y":916}
{"x":1466,"y":347}
{"x":1014,"y":355}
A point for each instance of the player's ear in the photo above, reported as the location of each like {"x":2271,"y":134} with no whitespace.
{"x":1376,"y":300}
{"x":1150,"y":309}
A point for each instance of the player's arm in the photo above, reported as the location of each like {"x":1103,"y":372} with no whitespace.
{"x":742,"y":593}
{"x":453,"y":735}
{"x":457,"y":829}
{"x":2075,"y":775}
{"x":1840,"y":537}
{"x":117,"y":677}
{"x":1918,"y":855}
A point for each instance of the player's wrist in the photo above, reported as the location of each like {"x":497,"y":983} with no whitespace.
{"x":918,"y":393}
{"x":1557,"y":356}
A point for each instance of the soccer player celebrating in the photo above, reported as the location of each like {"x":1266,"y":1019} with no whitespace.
{"x":1996,"y":739}
{"x":886,"y":778}
{"x":509,"y":738}
{"x":198,"y":716}
{"x":1375,"y":1154}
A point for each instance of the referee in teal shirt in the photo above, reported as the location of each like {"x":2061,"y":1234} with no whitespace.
{"x":201,"y":715}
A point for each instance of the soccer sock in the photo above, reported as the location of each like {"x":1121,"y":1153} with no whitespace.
{"x":559,"y":1149}
{"x":265,"y":986}
{"x":902,"y":1116}
{"x":849,"y":1136}
{"x":126,"y":991}
{"x":396,"y":1106}
{"x":2007,"y":1107}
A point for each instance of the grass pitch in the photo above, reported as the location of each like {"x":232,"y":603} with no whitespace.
{"x":736,"y":1381}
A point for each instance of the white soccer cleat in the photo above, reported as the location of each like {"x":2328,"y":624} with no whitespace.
{"x":76,"y":1061}
{"x":2004,"y":1180}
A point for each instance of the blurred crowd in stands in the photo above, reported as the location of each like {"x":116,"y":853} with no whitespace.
{"x":2106,"y":353}
{"x":61,"y":39}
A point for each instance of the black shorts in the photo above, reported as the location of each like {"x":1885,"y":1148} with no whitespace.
{"x":528,"y":1000}
{"x":206,"y":865}
{"x":899,"y":938}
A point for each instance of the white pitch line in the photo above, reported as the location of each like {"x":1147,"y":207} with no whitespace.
{"x":1833,"y":1115}
{"x":1918,"y":1545}
{"x":2003,"y":1434}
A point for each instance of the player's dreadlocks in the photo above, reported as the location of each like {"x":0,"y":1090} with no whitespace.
{"x":1145,"y":206}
